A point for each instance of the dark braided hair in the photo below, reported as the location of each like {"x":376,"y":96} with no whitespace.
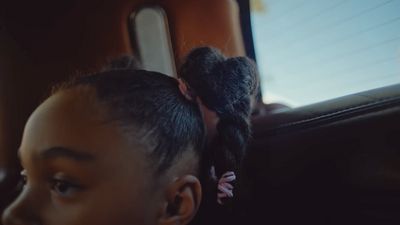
{"x":151,"y":105}
{"x":225,"y":86}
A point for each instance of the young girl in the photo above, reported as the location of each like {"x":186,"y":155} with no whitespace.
{"x":127,"y":146}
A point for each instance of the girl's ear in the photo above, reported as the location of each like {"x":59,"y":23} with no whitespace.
{"x":182,"y":200}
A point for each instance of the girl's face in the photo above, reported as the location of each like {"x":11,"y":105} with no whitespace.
{"x":80,"y":169}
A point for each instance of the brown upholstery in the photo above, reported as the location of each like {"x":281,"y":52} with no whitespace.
{"x":335,"y":162}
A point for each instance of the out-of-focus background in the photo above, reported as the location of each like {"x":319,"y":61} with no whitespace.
{"x":313,"y":50}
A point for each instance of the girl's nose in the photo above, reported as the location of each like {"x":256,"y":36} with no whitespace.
{"x":20,"y":212}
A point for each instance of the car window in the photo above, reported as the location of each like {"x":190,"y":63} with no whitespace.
{"x":312,"y":50}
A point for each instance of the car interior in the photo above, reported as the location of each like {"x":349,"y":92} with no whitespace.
{"x":330,"y":162}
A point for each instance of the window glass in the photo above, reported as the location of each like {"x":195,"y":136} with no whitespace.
{"x":313,"y":50}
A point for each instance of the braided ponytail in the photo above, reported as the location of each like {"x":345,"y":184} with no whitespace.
{"x":225,"y":86}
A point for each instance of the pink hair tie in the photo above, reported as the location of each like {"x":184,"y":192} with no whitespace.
{"x":183,"y":87}
{"x":225,"y":188}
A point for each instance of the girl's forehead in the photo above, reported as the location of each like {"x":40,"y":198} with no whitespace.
{"x":73,"y":119}
{"x":79,"y":102}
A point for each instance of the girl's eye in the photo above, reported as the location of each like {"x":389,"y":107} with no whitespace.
{"x":64,"y":188}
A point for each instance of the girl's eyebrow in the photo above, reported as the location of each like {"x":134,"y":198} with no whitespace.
{"x":62,"y":152}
